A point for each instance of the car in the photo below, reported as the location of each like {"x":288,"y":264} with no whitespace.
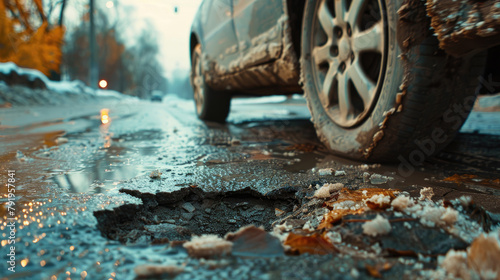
{"x":377,"y":83}
{"x":157,"y":96}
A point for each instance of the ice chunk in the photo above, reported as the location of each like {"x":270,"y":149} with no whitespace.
{"x":340,"y":173}
{"x":188,"y":207}
{"x":450,"y":216}
{"x":377,"y":179}
{"x":455,"y":263}
{"x":326,"y":189}
{"x":401,"y":202}
{"x":380,"y":200}
{"x":377,"y":226}
{"x":325,"y":171}
{"x":208,"y":246}
{"x":426,"y":193}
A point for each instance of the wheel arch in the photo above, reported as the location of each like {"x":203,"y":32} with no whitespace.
{"x":193,"y":42}
{"x":295,"y":12}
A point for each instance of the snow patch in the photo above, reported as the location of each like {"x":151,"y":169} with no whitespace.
{"x":377,"y":226}
{"x":426,"y":193}
{"x":401,"y":202}
{"x":326,"y":189}
{"x":380,"y":200}
{"x":325,"y":172}
{"x":60,"y":87}
{"x":340,"y":173}
{"x":208,"y":246}
{"x":377,"y":179}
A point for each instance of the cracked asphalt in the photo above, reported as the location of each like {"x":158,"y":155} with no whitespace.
{"x":87,"y":205}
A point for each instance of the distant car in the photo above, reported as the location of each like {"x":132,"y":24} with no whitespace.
{"x":377,"y":84}
{"x":157,"y":97}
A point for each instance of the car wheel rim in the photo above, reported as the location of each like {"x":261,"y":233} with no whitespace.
{"x":348,"y":56}
{"x":198,"y":82}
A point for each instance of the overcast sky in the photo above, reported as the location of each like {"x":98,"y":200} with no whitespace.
{"x":172,"y":28}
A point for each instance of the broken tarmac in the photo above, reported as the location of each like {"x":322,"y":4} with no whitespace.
{"x":90,"y":204}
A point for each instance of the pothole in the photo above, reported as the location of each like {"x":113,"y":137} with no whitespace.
{"x":166,"y":217}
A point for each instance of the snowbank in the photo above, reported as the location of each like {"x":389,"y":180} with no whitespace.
{"x":33,"y":87}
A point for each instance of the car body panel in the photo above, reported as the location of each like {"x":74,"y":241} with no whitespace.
{"x":258,"y":30}
{"x":269,"y":66}
{"x":220,"y":41}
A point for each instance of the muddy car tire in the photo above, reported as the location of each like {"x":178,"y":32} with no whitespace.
{"x":377,"y":84}
{"x":210,"y":105}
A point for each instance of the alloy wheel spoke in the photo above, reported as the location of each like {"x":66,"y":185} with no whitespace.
{"x":354,"y":12}
{"x":345,"y":106}
{"x":322,"y":54}
{"x":369,"y":40}
{"x":330,"y":78}
{"x":340,"y":10}
{"x":364,"y":86}
{"x":326,"y":19}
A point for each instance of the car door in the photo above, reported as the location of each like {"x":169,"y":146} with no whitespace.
{"x":219,"y":36}
{"x":259,"y":30}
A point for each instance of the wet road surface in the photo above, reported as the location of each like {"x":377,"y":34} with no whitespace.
{"x":90,"y":198}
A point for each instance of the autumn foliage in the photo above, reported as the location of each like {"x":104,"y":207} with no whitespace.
{"x":26,"y":45}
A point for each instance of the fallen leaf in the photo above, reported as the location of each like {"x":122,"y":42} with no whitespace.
{"x":484,"y":255}
{"x":251,"y":241}
{"x":386,"y":266}
{"x":360,"y":196}
{"x":160,"y":241}
{"x":472,"y":180}
{"x":314,"y":244}
{"x":336,"y":216}
{"x":373,"y":271}
{"x":6,"y":105}
{"x":261,"y":155}
{"x":457,"y":178}
{"x":278,"y":212}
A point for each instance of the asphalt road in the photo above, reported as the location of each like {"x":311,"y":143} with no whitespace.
{"x":68,"y":165}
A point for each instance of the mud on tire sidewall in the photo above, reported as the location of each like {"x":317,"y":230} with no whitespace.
{"x":353,"y":141}
{"x":216,"y":104}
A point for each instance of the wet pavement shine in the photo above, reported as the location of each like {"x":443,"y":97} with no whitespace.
{"x":92,"y":197}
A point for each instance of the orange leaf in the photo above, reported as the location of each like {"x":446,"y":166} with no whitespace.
{"x":356,"y":196}
{"x":314,"y":244}
{"x":472,"y":179}
{"x":373,"y":271}
{"x":336,"y":215}
{"x":360,"y":195}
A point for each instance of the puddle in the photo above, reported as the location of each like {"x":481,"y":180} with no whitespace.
{"x":119,"y":159}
